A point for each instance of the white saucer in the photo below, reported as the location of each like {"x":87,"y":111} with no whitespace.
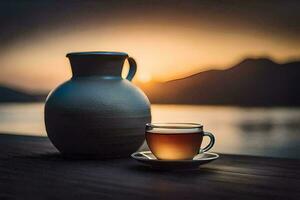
{"x":146,"y":157}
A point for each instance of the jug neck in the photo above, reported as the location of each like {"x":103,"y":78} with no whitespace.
{"x":108,"y":64}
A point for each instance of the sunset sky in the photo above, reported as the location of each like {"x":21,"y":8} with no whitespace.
{"x":168,"y":39}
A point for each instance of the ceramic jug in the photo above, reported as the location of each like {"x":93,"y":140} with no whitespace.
{"x":97,"y":113}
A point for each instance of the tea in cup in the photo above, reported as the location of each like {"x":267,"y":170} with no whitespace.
{"x":176,"y":141}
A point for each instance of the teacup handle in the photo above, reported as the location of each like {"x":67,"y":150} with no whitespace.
{"x":132,"y":68}
{"x":211,"y":142}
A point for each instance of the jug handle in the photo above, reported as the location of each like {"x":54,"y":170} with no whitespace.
{"x":132,"y":68}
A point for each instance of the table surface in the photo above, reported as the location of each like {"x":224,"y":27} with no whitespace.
{"x":31,"y":168}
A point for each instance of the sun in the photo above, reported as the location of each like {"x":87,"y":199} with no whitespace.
{"x":144,"y":77}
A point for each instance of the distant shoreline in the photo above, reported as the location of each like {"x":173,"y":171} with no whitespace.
{"x":181,"y":104}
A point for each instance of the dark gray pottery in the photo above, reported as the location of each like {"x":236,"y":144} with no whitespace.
{"x":97,"y":113}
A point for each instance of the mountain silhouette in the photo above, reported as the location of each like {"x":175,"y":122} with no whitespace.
{"x":13,"y":95}
{"x":252,"y":82}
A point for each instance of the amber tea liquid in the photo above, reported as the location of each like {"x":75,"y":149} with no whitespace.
{"x":174,"y":144}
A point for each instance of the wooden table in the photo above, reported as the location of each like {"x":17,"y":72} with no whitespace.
{"x":31,"y":168}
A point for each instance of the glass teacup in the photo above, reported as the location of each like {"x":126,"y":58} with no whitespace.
{"x":176,"y":141}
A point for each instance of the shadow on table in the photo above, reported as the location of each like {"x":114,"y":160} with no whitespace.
{"x":145,"y":169}
{"x":37,"y":148}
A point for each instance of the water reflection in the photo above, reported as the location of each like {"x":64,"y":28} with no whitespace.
{"x":253,"y":131}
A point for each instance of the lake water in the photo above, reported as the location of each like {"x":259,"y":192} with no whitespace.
{"x":252,"y":131}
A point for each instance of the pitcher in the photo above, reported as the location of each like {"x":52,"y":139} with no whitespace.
{"x":97,"y":113}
